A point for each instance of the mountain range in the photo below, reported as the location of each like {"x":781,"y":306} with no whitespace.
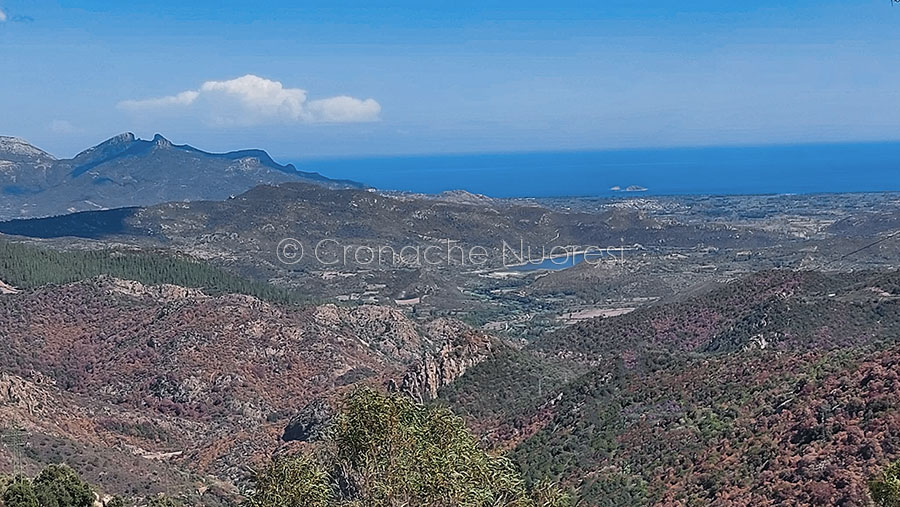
{"x":128,"y":171}
{"x":743,"y":351}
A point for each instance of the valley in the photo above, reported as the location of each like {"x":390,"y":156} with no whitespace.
{"x":449,"y":254}
{"x":712,"y":349}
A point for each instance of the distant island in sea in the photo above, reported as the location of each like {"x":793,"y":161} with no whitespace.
{"x":629,"y":188}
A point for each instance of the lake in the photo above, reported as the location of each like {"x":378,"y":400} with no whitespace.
{"x":563,"y":262}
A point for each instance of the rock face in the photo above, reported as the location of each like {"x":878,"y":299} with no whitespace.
{"x":310,"y":423}
{"x":6,"y":288}
{"x":163,"y":292}
{"x":127,"y":171}
{"x":458,"y":349}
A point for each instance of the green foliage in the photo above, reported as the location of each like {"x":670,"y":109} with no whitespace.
{"x":291,"y":481}
{"x":55,"y":486}
{"x":388,"y":451}
{"x":886,"y":488}
{"x":164,"y":501}
{"x":512,"y":382}
{"x":60,"y":486}
{"x":548,"y":494}
{"x":20,"y":493}
{"x":116,"y":501}
{"x":398,"y":452}
{"x":25,"y":267}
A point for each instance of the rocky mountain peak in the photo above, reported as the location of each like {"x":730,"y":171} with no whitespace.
{"x":16,"y":147}
{"x":109,"y":148}
{"x":125,"y":137}
{"x":161,"y":142}
{"x":118,"y":141}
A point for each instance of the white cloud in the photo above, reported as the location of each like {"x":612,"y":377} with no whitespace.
{"x":252,"y":100}
{"x":344,"y":109}
{"x":183,"y":98}
{"x":2,"y":16}
{"x":63,"y":127}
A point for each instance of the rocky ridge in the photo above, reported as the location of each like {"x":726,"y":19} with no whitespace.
{"x":209,"y":382}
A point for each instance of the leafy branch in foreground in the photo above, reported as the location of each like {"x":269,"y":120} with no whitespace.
{"x":388,"y":451}
{"x":55,"y":486}
{"x":885,"y":488}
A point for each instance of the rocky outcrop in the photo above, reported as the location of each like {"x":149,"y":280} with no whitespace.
{"x":165,"y":369}
{"x":163,"y":292}
{"x":310,"y":423}
{"x":457,"y":348}
{"x":19,"y":393}
{"x":5,"y":288}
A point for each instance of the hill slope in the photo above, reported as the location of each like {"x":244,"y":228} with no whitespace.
{"x":133,"y":375}
{"x":776,"y":388}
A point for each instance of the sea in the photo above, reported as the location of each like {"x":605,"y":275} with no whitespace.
{"x":786,"y":169}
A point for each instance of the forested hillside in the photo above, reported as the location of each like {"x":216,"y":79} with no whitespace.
{"x":779,"y":387}
{"x":25,"y":267}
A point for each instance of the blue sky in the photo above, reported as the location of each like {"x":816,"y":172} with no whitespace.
{"x":338,"y":78}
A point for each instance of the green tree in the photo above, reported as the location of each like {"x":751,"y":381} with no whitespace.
{"x":164,"y":501}
{"x":116,"y":501}
{"x":25,"y":266}
{"x":388,"y":451}
{"x":20,"y":493}
{"x":60,"y":486}
{"x":399,"y":453}
{"x":548,"y":494}
{"x":885,"y":488}
{"x":291,"y":481}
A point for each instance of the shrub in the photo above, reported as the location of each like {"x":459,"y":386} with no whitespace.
{"x":389,"y":451}
{"x":291,"y":481}
{"x":164,"y":501}
{"x":397,"y":452}
{"x":60,"y":486}
{"x":886,"y":488}
{"x":20,"y":493}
